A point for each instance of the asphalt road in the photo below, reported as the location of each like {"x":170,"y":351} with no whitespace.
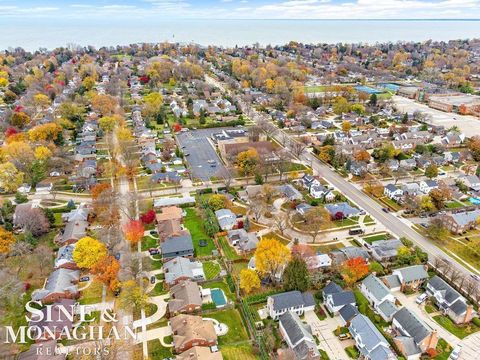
{"x":200,"y":150}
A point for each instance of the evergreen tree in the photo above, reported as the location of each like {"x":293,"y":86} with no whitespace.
{"x":296,"y":276}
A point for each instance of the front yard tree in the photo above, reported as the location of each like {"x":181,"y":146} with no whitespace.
{"x":106,"y":271}
{"x":134,"y":231}
{"x":436,"y":230}
{"x":353,"y":270}
{"x":317,"y":219}
{"x":10,"y":177}
{"x":270,"y":257}
{"x":249,"y":280}
{"x":6,"y":240}
{"x":132,"y":296}
{"x":88,"y":252}
{"x":431,"y":171}
{"x":296,"y":275}
{"x":247,"y":161}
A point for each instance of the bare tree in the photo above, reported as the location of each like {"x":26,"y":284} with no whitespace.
{"x":280,"y":220}
{"x":317,"y":219}
{"x":31,"y":219}
{"x":227,"y":177}
{"x":44,"y":257}
{"x":298,"y":146}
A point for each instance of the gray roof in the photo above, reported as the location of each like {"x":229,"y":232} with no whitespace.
{"x":376,"y":287}
{"x":348,"y":312}
{"x":449,"y":293}
{"x":343,"y":207}
{"x":354,"y":251}
{"x":290,"y":299}
{"x":391,"y":187}
{"x":175,"y":244}
{"x":300,"y":335}
{"x":411,"y":325}
{"x":290,"y":192}
{"x":331,"y":288}
{"x":226,"y":218}
{"x":74,"y":230}
{"x":343,"y":298}
{"x":409,"y":346}
{"x":459,"y":307}
{"x":392,"y":281}
{"x":465,"y":218}
{"x":413,"y":273}
{"x":65,"y":255}
{"x":371,"y":339}
{"x":383,"y":249}
{"x":246,"y":241}
{"x":181,"y":267}
{"x":183,"y":294}
{"x":59,"y":281}
{"x":387,"y":308}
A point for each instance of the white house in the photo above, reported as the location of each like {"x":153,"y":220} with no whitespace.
{"x":335,"y":298}
{"x":393,"y":192}
{"x":298,"y":336}
{"x":379,"y":296}
{"x":294,"y":301}
{"x":427,"y":186}
{"x":226,"y":219}
{"x":321,"y":192}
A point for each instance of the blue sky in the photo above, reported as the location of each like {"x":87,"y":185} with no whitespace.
{"x":149,"y":10}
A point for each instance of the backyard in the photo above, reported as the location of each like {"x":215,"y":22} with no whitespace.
{"x":236,"y":329}
{"x":458,"y":331}
{"x":194,"y":223}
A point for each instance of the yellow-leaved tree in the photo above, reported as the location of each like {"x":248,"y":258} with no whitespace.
{"x":271,"y":257}
{"x":88,"y":252}
{"x":10,"y":177}
{"x":249,"y":280}
{"x":6,"y":240}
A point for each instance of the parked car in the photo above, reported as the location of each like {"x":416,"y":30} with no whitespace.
{"x":455,"y":354}
{"x":154,"y":251}
{"x":153,"y":279}
{"x":475,"y":276}
{"x":421,"y":298}
{"x":385,"y":210}
{"x":345,"y":336}
{"x":117,"y":256}
{"x":84,"y":278}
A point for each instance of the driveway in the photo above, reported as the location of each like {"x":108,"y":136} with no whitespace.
{"x":161,"y":311}
{"x":323,"y":329}
{"x":409,"y":302}
{"x":470,"y":347}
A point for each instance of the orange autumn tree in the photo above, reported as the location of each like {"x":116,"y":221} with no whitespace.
{"x":97,"y":189}
{"x":106,"y":270}
{"x":133,"y":231}
{"x":353,"y":270}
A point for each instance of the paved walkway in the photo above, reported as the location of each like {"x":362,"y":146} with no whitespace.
{"x":323,"y":329}
{"x":470,"y":347}
{"x":152,"y":334}
{"x":161,"y":311}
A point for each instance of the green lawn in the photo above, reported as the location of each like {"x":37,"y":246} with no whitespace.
{"x":458,"y":331}
{"x":352,"y":352}
{"x":229,"y":252}
{"x":243,"y":351}
{"x":236,"y":329}
{"x":221,"y":285}
{"x":443,"y":349}
{"x":378,"y":237}
{"x":92,"y":294}
{"x":148,"y":242}
{"x":211,"y":269}
{"x":159,"y":289}
{"x":157,"y":351}
{"x":194,"y":223}
{"x":368,"y":219}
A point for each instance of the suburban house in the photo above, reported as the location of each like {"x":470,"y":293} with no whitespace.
{"x":78,"y":214}
{"x":335,"y":298}
{"x":393,"y":192}
{"x":318,"y":261}
{"x":180,"y":268}
{"x":72,"y":232}
{"x":290,"y":192}
{"x":410,"y":277}
{"x":379,"y":296}
{"x":242,"y":241}
{"x":174,"y":246}
{"x":321,"y":192}
{"x":408,"y":164}
{"x":199,"y":353}
{"x":292,"y":300}
{"x":385,"y":250}
{"x":308,"y":181}
{"x":169,"y":222}
{"x":428,"y":185}
{"x":347,"y":313}
{"x":358,"y":168}
{"x":189,"y":331}
{"x":42,"y":351}
{"x":226,"y":219}
{"x":412,"y":189}
{"x":450,"y":301}
{"x":472,"y":181}
{"x":298,"y":336}
{"x":369,"y":341}
{"x":64,"y":258}
{"x":342,"y":210}
{"x":460,"y":222}
{"x":303,"y":208}
{"x":413,"y":336}
{"x":173,"y":201}
{"x":61,"y":284}
{"x":61,"y":315}
{"x":185,"y":297}
{"x":341,"y":255}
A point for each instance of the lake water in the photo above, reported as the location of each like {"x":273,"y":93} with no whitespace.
{"x":35,"y":34}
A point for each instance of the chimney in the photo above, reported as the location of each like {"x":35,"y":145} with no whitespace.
{"x":468,"y":314}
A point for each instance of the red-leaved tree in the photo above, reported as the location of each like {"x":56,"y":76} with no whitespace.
{"x":148,"y":217}
{"x":353,"y":270}
{"x":133,"y":231}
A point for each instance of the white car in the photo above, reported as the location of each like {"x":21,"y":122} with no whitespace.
{"x":421,"y":298}
{"x":455,"y":354}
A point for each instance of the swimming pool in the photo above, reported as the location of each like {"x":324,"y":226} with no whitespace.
{"x":218,"y":297}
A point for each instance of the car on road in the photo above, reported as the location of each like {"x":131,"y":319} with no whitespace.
{"x":117,"y":256}
{"x":154,"y":251}
{"x":84,"y":278}
{"x":421,"y":298}
{"x":386,"y":210}
{"x":475,"y":276}
{"x":211,"y":161}
{"x":455,"y":354}
{"x":153,"y":279}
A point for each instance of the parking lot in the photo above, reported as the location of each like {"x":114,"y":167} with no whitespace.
{"x":466,"y":124}
{"x":202,"y":157}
